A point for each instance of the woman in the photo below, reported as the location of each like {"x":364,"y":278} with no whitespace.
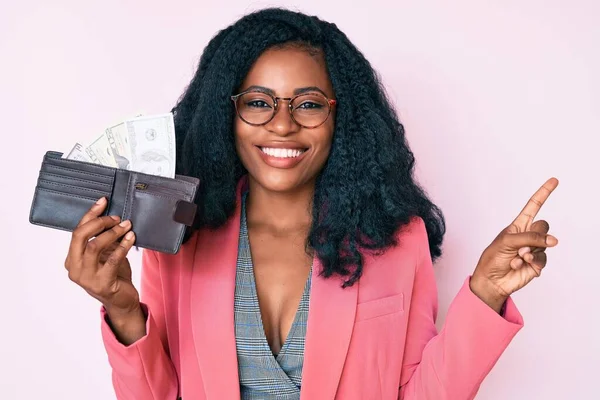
{"x":310,"y":272}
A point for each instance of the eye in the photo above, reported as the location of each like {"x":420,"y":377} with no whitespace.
{"x":309,"y":105}
{"x":257,"y":104}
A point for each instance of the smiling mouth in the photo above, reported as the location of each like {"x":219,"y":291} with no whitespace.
{"x":282,"y":153}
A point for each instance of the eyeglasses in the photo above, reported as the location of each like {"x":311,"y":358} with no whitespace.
{"x":309,"y":110}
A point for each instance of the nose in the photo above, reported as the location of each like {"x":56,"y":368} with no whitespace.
{"x":282,"y":123}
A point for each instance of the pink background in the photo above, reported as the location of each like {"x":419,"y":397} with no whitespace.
{"x":495,"y":96}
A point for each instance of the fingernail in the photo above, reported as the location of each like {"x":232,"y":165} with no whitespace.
{"x":551,"y":240}
{"x":125,"y":223}
{"x":518,"y":263}
{"x":129,"y":235}
{"x":100,"y":200}
{"x":115,"y":217}
{"x":524,"y":250}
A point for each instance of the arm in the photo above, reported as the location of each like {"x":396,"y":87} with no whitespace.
{"x":143,"y":369}
{"x":452,"y":364}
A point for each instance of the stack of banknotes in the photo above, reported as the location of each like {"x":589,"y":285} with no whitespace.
{"x":143,"y":144}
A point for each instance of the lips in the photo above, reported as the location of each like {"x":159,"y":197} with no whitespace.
{"x":282,"y":152}
{"x":282,"y":155}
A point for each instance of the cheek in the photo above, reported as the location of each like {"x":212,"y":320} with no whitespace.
{"x":240,"y":132}
{"x":244,"y":134}
{"x":326,"y":139}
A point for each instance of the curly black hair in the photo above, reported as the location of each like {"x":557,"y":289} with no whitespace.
{"x":366,"y":190}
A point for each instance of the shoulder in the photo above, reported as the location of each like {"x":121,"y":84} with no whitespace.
{"x":412,"y":236}
{"x":393,"y":270}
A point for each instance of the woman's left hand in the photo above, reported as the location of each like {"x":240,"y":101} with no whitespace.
{"x":517,"y":255}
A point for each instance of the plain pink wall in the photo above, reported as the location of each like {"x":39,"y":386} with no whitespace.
{"x":495,"y":96}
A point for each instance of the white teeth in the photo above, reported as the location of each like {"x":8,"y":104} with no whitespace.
{"x":282,"y":153}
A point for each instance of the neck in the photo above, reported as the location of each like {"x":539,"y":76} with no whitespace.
{"x":280,"y":212}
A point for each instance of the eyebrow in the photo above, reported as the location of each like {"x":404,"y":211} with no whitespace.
{"x":296,"y":91}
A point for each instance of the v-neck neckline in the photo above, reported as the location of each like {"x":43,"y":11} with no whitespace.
{"x":256,"y":303}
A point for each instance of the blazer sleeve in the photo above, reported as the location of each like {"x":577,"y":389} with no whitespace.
{"x":143,"y":370}
{"x":452,"y":364}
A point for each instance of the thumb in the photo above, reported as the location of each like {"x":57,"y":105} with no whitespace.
{"x":528,"y":239}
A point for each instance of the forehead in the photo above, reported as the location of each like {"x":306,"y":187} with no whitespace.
{"x":286,"y":69}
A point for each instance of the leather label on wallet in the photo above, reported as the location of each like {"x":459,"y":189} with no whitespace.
{"x":185,"y":213}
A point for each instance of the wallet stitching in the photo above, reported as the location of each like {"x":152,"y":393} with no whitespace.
{"x":62,"y":228}
{"x":166,"y":249}
{"x":172,"y":249}
{"x":35,"y":193}
{"x":67,"y":161}
{"x":179,"y":239}
{"x":161,"y":195}
{"x":38,"y":189}
{"x":190,"y":185}
{"x":49,"y":163}
{"x":71,"y":186}
{"x":126,"y":213}
{"x":75,"y":179}
{"x":78,"y":171}
{"x":194,"y":190}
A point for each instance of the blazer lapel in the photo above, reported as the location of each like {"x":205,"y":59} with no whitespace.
{"x":329,"y":326}
{"x":212,"y":306}
{"x":328,"y":332}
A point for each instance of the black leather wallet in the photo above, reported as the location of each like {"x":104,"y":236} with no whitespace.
{"x":161,"y":210}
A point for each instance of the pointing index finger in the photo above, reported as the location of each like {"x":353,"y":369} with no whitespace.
{"x":529,"y":212}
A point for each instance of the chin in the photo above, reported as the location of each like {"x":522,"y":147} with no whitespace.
{"x":282,"y":181}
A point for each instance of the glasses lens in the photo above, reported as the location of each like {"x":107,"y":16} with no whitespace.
{"x":310,"y":109}
{"x":255,"y":107}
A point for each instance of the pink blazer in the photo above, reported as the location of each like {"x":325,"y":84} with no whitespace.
{"x":374,"y":340}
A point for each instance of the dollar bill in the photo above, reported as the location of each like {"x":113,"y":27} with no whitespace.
{"x":152,"y":143}
{"x":77,"y":153}
{"x":118,"y":141}
{"x":100,"y":152}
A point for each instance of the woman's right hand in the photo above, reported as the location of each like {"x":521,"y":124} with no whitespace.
{"x":97,"y":261}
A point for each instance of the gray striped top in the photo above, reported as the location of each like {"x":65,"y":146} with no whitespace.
{"x":263,"y":375}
